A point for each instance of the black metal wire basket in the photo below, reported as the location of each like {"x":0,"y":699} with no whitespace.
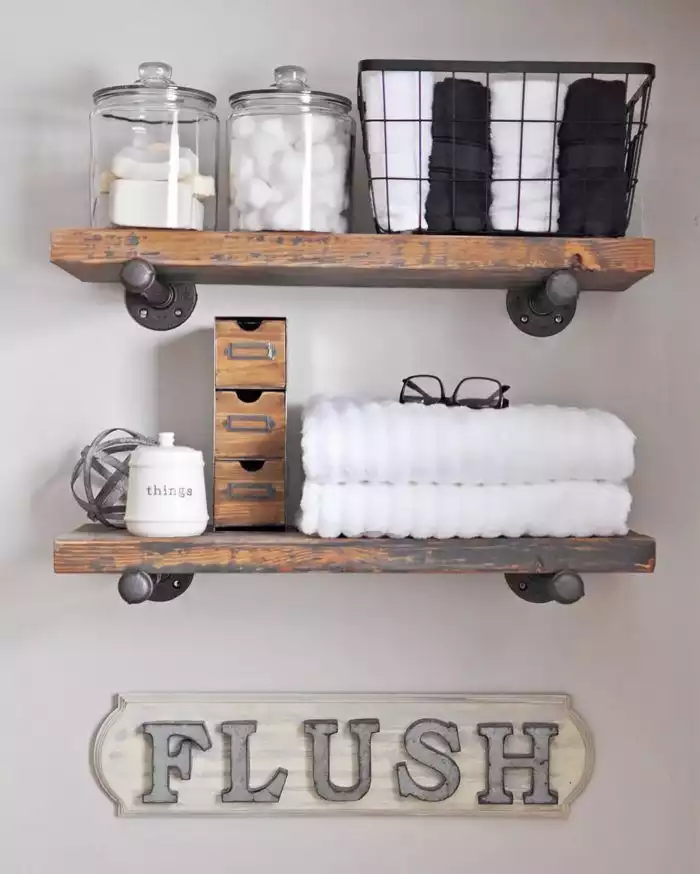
{"x":517,"y":147}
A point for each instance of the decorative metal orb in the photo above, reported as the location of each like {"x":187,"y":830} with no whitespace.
{"x":100,"y":478}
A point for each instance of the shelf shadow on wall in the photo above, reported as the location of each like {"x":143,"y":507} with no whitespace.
{"x":184,"y":401}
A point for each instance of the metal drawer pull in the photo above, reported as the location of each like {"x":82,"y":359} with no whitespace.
{"x":253,"y":424}
{"x":257,"y":350}
{"x":251,"y":492}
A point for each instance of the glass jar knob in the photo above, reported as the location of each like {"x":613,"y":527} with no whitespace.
{"x":155,"y":73}
{"x":291,"y":78}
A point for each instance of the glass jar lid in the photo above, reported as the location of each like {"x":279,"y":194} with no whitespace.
{"x":155,"y":86}
{"x":290,"y":90}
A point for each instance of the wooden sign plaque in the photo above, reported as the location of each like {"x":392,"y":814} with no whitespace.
{"x":223,"y":754}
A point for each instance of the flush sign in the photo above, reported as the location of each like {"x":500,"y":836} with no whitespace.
{"x":234,"y":755}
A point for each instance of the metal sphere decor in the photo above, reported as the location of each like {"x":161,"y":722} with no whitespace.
{"x":103,"y":472}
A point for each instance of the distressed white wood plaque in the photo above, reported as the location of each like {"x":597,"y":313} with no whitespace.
{"x":124,"y":754}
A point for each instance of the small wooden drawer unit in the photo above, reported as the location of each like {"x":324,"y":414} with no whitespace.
{"x":251,"y":353}
{"x":249,"y":494}
{"x":250,"y":423}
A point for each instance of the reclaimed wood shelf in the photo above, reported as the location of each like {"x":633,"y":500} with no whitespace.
{"x":370,"y":260}
{"x":93,"y":549}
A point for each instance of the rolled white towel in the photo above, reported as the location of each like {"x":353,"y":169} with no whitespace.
{"x":525,"y":113}
{"x":559,"y":509}
{"x":355,"y":441}
{"x":398,"y":94}
{"x":398,"y":113}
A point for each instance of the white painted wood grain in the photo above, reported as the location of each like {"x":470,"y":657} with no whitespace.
{"x":121,"y":755}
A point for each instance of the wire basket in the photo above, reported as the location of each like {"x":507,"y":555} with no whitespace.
{"x":478,"y":147}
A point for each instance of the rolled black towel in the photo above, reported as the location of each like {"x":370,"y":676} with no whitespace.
{"x":592,"y":177}
{"x":460,"y":160}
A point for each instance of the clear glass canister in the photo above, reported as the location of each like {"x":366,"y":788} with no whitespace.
{"x":154,"y":154}
{"x":290,"y":157}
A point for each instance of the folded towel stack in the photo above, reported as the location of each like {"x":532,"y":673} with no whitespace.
{"x":460,"y":161}
{"x":592,"y":159}
{"x":382,"y":468}
{"x":525,"y":189}
{"x":398,"y":109}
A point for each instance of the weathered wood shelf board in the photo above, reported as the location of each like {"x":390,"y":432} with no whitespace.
{"x":371,"y":260}
{"x":93,"y":549}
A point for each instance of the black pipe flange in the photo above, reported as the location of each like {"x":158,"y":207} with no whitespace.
{"x":564,"y":587}
{"x":547,"y":309}
{"x":137,"y":587}
{"x":156,"y":305}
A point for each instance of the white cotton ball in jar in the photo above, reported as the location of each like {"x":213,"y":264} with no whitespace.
{"x":339,"y":224}
{"x":276,"y":128}
{"x":322,"y":126}
{"x":322,"y":159}
{"x":243,"y":127}
{"x":294,"y":127}
{"x":251,"y":221}
{"x":329,"y":191}
{"x":234,"y":218}
{"x":259,"y":193}
{"x":287,"y":172}
{"x":288,"y":216}
{"x":321,"y":219}
{"x":263,"y":147}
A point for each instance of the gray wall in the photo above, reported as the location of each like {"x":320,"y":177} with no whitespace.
{"x":72,"y":364}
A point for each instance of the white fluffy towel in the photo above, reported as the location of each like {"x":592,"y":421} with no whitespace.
{"x":566,"y":509}
{"x":524,"y":142}
{"x":355,"y":441}
{"x":398,"y":113}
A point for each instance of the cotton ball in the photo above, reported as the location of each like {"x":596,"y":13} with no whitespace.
{"x":340,"y":153}
{"x":234,"y":218}
{"x":329,"y":191}
{"x":339,"y":225}
{"x":288,"y":216}
{"x":322,"y":159}
{"x":294,"y":129}
{"x":288,"y":170}
{"x":243,"y":126}
{"x":277,"y":129}
{"x":321,"y":220}
{"x":322,"y":127}
{"x":252,"y":221}
{"x":259,"y":193}
{"x":263,"y":147}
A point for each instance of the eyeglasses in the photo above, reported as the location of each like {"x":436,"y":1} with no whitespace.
{"x":474,"y":392}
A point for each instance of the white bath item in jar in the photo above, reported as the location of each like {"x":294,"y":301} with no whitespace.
{"x":166,"y":496}
{"x":300,"y":145}
{"x":156,"y":132}
{"x":155,"y":162}
{"x":142,"y":204}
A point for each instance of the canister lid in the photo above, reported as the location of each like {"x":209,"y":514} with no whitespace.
{"x":156,"y":86}
{"x":290,"y":90}
{"x":165,"y":453}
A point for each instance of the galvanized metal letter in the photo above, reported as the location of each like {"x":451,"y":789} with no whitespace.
{"x":418,"y":749}
{"x":498,"y":762}
{"x":240,"y":790}
{"x":320,"y":731}
{"x":171,"y":751}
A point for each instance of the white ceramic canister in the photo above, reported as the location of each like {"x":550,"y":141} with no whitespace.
{"x":166,"y":495}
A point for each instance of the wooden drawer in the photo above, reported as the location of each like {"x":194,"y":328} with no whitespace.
{"x":248,"y":498}
{"x":250,"y":424}
{"x":251,"y":353}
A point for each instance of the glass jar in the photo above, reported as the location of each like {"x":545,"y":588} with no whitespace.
{"x":154,"y":154}
{"x":290,"y":157}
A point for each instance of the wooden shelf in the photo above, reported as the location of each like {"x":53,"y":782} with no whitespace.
{"x":372,"y":260}
{"x":94,"y":549}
